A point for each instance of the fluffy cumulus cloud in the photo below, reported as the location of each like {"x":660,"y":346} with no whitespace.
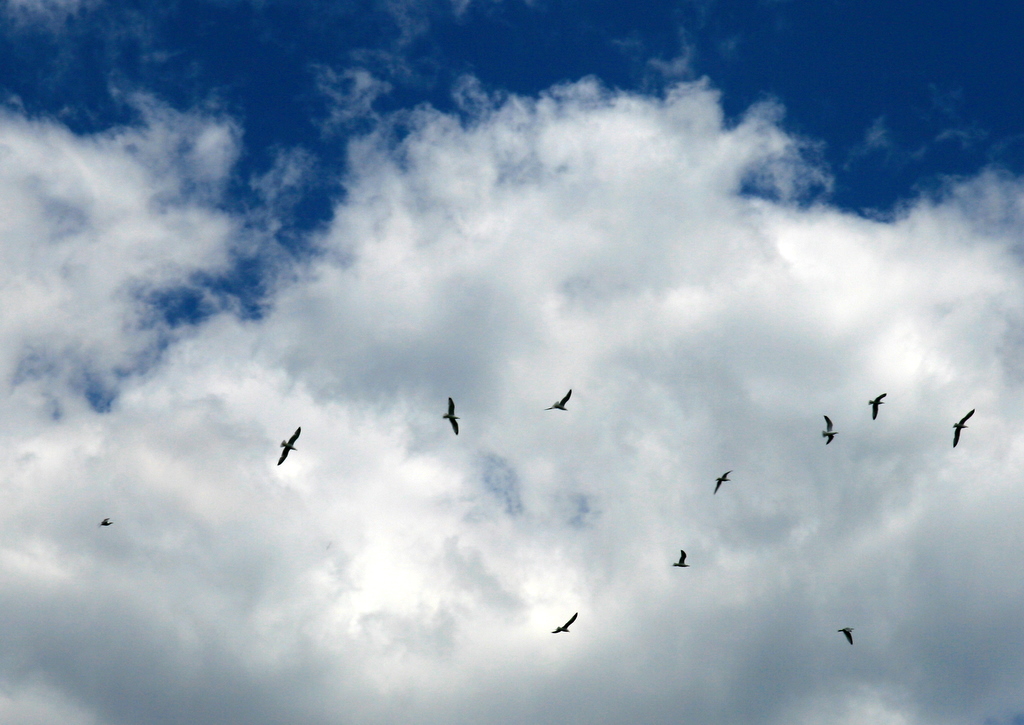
{"x":666,"y":266}
{"x":94,"y":230}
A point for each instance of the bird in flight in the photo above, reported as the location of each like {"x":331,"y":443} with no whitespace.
{"x":106,"y":522}
{"x":452,"y":418}
{"x":848,"y":631}
{"x":720,"y":480}
{"x":560,"y":405}
{"x":874,"y":405}
{"x":682,"y":559}
{"x":828,"y":432}
{"x":565,"y":627}
{"x":960,"y":426}
{"x":287,"y":445}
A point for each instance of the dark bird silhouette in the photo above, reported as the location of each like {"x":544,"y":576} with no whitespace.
{"x":828,"y":432}
{"x":960,"y":426}
{"x":874,"y":405}
{"x":452,"y":418}
{"x":106,"y":522}
{"x":560,"y":405}
{"x":848,"y":631}
{"x":682,"y":559}
{"x":720,"y":480}
{"x":287,"y":445}
{"x":565,"y":627}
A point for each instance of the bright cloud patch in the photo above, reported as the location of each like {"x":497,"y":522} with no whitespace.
{"x":390,"y":571}
{"x":95,"y":231}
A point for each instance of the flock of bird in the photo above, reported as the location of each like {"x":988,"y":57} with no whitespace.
{"x":829,"y":433}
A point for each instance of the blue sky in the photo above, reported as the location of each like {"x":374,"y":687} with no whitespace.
{"x":898,"y":95}
{"x":715,"y":222}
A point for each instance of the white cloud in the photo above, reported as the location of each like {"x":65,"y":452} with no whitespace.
{"x":46,"y":13}
{"x":352,"y":94}
{"x":92,"y":227}
{"x":392,"y":572}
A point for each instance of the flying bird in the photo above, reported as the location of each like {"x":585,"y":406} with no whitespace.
{"x":720,"y":480}
{"x":287,"y":445}
{"x":960,"y":426}
{"x":848,"y":631}
{"x":560,"y":405}
{"x":565,"y":627}
{"x":106,"y":522}
{"x":828,"y":432}
{"x":682,"y":559}
{"x":452,"y":418}
{"x":874,"y":405}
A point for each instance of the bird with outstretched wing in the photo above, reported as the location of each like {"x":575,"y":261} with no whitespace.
{"x":452,"y":418}
{"x":874,"y":405}
{"x":957,"y":427}
{"x":565,"y":627}
{"x":288,"y":445}
{"x":560,"y":405}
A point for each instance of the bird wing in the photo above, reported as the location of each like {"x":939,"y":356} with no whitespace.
{"x":451,"y":407}
{"x":956,"y":437}
{"x":284,"y":454}
{"x":726,"y":474}
{"x":828,"y":423}
{"x":295,"y":436}
{"x":455,"y":425}
{"x":718,"y":485}
{"x":964,"y":419}
{"x":879,"y":398}
{"x":566,"y":398}
{"x":849,"y":636}
{"x":682,"y":556}
{"x":571,"y":620}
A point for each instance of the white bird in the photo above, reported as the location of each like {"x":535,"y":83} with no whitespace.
{"x":828,"y":432}
{"x":565,"y":627}
{"x":960,"y":426}
{"x":874,"y":405}
{"x":720,"y":480}
{"x":287,"y":445}
{"x":560,"y":405}
{"x":452,"y":418}
{"x":848,"y":631}
{"x":682,"y":559}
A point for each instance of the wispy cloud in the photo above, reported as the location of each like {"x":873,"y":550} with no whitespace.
{"x":45,"y":12}
{"x":351,"y":95}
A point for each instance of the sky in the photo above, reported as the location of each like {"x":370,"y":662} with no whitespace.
{"x":715,"y":222}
